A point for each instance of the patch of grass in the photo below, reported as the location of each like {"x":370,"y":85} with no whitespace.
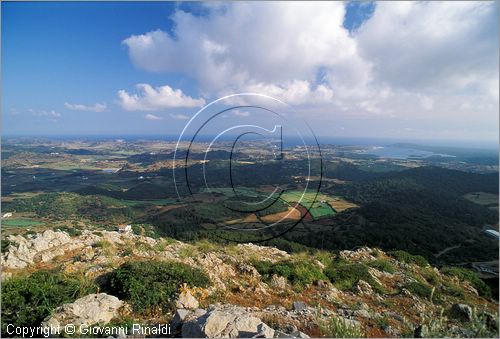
{"x":205,"y":246}
{"x":383,"y":265}
{"x":408,"y":258}
{"x":188,"y":251}
{"x":453,"y":290}
{"x":339,"y":328}
{"x":345,"y":276}
{"x":419,"y":289}
{"x":383,"y":322}
{"x":153,"y":283}
{"x":162,"y":244}
{"x":106,"y":246}
{"x":324,"y":257}
{"x":431,"y":277}
{"x":27,"y":300}
{"x":299,"y":273}
{"x":470,"y":276}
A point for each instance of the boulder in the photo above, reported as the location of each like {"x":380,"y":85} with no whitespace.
{"x":225,"y":321}
{"x":461,"y":311}
{"x":187,"y":301}
{"x":91,"y":309}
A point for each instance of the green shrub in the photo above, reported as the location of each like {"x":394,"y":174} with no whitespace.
{"x":346,"y":276}
{"x":419,"y":289}
{"x":408,"y":258}
{"x":283,"y":269}
{"x":470,"y":276}
{"x":27,"y":300}
{"x":305,"y":272}
{"x":299,"y":273}
{"x":153,"y":283}
{"x":265,"y":268}
{"x":383,"y":265}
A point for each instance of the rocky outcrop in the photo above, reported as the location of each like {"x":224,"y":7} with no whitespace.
{"x":363,"y":288}
{"x":361,"y":254}
{"x":91,"y":309}
{"x":264,"y":252}
{"x":227,"y":321}
{"x":24,"y":251}
{"x":43,"y":247}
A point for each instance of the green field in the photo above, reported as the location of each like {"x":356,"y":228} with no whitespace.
{"x":305,"y":197}
{"x":20,"y":223}
{"x":311,"y":200}
{"x":321,"y":209}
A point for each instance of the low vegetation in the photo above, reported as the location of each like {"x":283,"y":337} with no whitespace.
{"x":419,"y":289}
{"x":468,"y":275}
{"x":299,"y":273}
{"x":383,"y":265}
{"x":27,"y":300}
{"x":346,"y":275}
{"x":340,"y":328}
{"x":408,"y":258}
{"x":153,"y":283}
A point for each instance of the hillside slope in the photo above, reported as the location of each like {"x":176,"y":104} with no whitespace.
{"x":366,"y":292}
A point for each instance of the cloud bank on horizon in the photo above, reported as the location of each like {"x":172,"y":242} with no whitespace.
{"x":406,"y":69}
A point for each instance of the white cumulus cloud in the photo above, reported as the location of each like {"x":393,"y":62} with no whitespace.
{"x":409,"y":62}
{"x":152,"y":98}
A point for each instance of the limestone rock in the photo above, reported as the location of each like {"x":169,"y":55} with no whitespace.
{"x":187,"y":301}
{"x":363,"y":288}
{"x":278,"y":282}
{"x":91,"y":309}
{"x":43,"y":247}
{"x":361,"y":254}
{"x":225,"y":321}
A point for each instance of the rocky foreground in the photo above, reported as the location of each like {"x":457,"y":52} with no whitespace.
{"x":244,"y":301}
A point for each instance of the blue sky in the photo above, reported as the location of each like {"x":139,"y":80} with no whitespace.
{"x":350,"y":69}
{"x":71,"y":52}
